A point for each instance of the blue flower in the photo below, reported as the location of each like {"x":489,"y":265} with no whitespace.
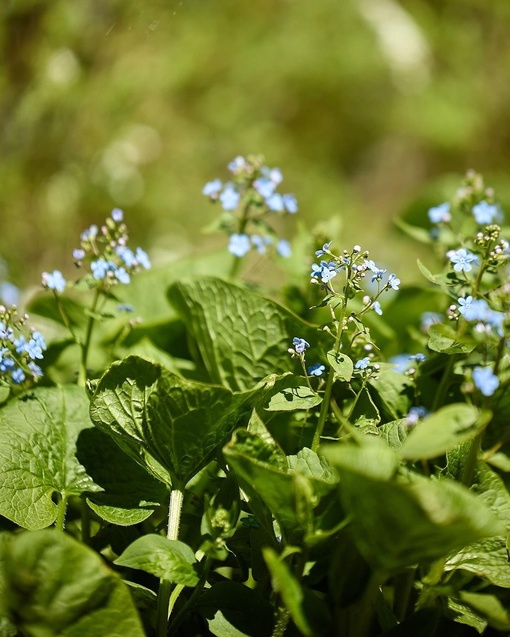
{"x":236,"y":165}
{"x":440,"y":213}
{"x":38,"y":338}
{"x":117,"y":215}
{"x":9,"y":293}
{"x":18,"y":375}
{"x":212,"y":188}
{"x":376,"y":306}
{"x":127,"y":255}
{"x":479,"y":310}
{"x":35,"y":369}
{"x":122,"y":276}
{"x":290,"y":203}
{"x":419,"y":358}
{"x":485,"y":213}
{"x":78,"y":254}
{"x":462,"y":259}
{"x":316,"y":370}
{"x":378,"y":272}
{"x":264,"y":186}
{"x":464,"y":304}
{"x":485,"y":380}
{"x":6,"y":362}
{"x":142,"y":258}
{"x":273,"y":174}
{"x":239,"y":244}
{"x":34,"y":349}
{"x":325,"y":248}
{"x":260,"y":243}
{"x":6,"y":332}
{"x":393,"y":281}
{"x":275,"y":202}
{"x":54,"y":281}
{"x":300,"y":345}
{"x":89,"y":234}
{"x":415,"y":414}
{"x":283,"y":248}
{"x":363,"y":363}
{"x":325,"y":271}
{"x":229,"y":197}
{"x":100,"y":268}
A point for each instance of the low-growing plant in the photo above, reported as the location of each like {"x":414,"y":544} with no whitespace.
{"x":214,"y":463}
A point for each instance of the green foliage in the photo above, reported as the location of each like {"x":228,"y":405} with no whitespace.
{"x":53,"y":585}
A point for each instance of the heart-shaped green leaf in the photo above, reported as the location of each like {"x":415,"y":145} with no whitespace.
{"x":56,"y":586}
{"x":242,"y":337}
{"x":169,"y":425}
{"x":38,"y":434}
{"x":170,"y":560}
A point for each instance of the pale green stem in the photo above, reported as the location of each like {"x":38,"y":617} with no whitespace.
{"x":82,"y":377}
{"x":60,"y":522}
{"x":165,"y":587}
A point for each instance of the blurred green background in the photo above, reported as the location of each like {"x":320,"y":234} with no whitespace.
{"x":372,"y":109}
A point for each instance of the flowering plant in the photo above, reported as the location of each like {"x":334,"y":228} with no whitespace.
{"x":226,"y":466}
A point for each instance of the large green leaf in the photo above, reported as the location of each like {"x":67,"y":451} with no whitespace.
{"x":242,"y":337}
{"x":38,"y":434}
{"x":170,"y":560}
{"x":56,"y":586}
{"x":171,"y":426}
{"x":401,"y":520}
{"x":130,"y":494}
{"x":291,"y":489}
{"x":445,"y":429}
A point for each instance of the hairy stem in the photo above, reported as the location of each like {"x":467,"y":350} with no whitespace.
{"x":165,"y":587}
{"x":60,"y":522}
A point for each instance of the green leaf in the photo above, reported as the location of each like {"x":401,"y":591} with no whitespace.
{"x":294,"y":396}
{"x":284,"y":583}
{"x":393,"y":391}
{"x":130,"y":494}
{"x":170,"y":560}
{"x":489,"y":607}
{"x":394,"y":433}
{"x":415,"y":232}
{"x":429,"y":518}
{"x":341,"y":364}
{"x":170,"y":425}
{"x":487,"y":559}
{"x":463,"y":614}
{"x":57,"y":586}
{"x":230,"y":609}
{"x":242,"y":337}
{"x":38,"y":434}
{"x":443,"y":338}
{"x":445,"y":429}
{"x":291,"y":495}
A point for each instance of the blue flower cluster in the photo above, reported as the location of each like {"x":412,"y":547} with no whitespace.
{"x":253,"y":185}
{"x":485,"y":380}
{"x":478,"y":310}
{"x":106,"y":253}
{"x":20,"y":348}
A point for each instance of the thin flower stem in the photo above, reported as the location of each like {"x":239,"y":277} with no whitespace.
{"x":331,"y":378}
{"x":445,"y":383}
{"x":236,"y":263}
{"x":82,"y":377}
